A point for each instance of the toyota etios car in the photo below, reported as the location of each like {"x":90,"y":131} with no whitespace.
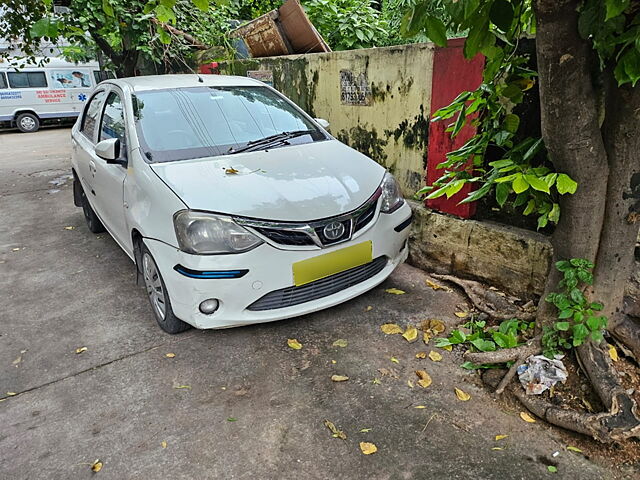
{"x":235,"y":205}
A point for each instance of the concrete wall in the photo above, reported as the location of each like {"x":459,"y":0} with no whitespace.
{"x":391,"y":122}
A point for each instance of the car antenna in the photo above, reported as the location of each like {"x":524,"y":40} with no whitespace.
{"x":192,"y":70}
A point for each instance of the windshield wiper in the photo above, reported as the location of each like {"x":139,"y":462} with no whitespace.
{"x":268,"y":141}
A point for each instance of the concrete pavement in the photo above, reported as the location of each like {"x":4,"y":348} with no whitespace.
{"x":232,"y":404}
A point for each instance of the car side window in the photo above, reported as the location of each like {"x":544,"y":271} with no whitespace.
{"x":27,"y":79}
{"x":113,"y":125}
{"x":3,"y":81}
{"x":91,"y":113}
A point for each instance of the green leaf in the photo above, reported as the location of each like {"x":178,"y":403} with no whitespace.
{"x":459,"y":122}
{"x":107,"y":8}
{"x":483,"y":345}
{"x":565,"y":314}
{"x":533,"y":149}
{"x":436,"y":30}
{"x":542,"y":221}
{"x":615,"y":7}
{"x":501,"y":14}
{"x":597,"y":306}
{"x":477,"y":38}
{"x":593,"y":323}
{"x":477,"y":194}
{"x":511,"y":122}
{"x":554,"y":214}
{"x":530,"y":207}
{"x":563,"y":326}
{"x":565,"y":184}
{"x":163,"y":36}
{"x":537,"y":183}
{"x":502,"y":193}
{"x":580,"y":333}
{"x":454,"y":187}
{"x":552,"y":469}
{"x":519,"y":184}
{"x":501,"y":163}
{"x":45,"y":27}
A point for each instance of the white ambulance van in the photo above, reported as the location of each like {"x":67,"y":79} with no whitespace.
{"x":54,"y":92}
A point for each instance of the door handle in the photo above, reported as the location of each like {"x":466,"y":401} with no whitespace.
{"x":92,"y":168}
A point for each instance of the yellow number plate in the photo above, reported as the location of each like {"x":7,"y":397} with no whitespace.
{"x":322,"y":266}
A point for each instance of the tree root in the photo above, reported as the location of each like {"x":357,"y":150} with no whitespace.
{"x":532,"y":347}
{"x":620,"y":422}
{"x":627,"y":332}
{"x":489,"y":301}
{"x":604,"y":427}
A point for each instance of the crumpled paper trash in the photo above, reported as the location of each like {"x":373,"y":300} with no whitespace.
{"x":541,"y":373}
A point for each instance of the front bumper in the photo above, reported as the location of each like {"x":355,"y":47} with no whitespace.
{"x":269,"y":269}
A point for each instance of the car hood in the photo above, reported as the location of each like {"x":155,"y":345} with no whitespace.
{"x":294,"y":183}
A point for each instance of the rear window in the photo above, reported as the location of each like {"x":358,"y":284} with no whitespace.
{"x":3,"y":81}
{"x":27,"y":79}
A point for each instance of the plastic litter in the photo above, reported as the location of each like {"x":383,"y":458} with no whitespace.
{"x":541,"y":373}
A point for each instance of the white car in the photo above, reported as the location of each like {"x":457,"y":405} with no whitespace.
{"x":235,"y":205}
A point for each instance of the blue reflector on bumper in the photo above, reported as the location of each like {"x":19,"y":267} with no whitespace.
{"x":187,"y":272}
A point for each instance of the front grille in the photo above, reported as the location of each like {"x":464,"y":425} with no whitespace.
{"x":364,"y":219}
{"x":286,"y":237}
{"x":346,"y":235}
{"x":287,"y":297}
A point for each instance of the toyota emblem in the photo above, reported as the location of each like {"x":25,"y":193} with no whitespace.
{"x":333,"y":230}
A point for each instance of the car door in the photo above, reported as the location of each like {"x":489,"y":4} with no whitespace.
{"x":84,"y":142}
{"x":108,"y":182}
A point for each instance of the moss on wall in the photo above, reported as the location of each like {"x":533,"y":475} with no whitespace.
{"x":365,"y":141}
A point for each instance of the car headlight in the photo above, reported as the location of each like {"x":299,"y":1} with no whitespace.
{"x":205,"y":233}
{"x":391,"y":196}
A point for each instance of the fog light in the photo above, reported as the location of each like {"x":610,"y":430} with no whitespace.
{"x":209,"y":306}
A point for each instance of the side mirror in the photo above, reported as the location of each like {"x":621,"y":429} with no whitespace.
{"x":109,"y":150}
{"x":322,"y":122}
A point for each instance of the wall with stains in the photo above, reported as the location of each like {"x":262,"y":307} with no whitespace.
{"x":377,"y":100}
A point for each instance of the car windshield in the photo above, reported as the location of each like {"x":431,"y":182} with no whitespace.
{"x":185,"y":123}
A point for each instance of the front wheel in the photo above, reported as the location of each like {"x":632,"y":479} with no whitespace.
{"x":158,"y":296}
{"x":27,"y":123}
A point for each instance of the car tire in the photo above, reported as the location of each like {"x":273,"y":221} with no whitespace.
{"x":158,"y":295}
{"x":93,"y":222}
{"x":27,"y":123}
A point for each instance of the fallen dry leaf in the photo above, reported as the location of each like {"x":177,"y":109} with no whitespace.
{"x":527,"y":418}
{"x":462,"y":396}
{"x":11,"y":394}
{"x":69,"y":228}
{"x":231,"y":171}
{"x":394,"y":360}
{"x":410,"y":334}
{"x":425,"y":378}
{"x":390,"y":328}
{"x":334,"y":431}
{"x":96,"y":466}
{"x":461,"y":314}
{"x":409,"y":383}
{"x":81,"y":349}
{"x":421,"y":355}
{"x":17,"y":360}
{"x":17,"y":249}
{"x":376,"y":381}
{"x":436,"y":286}
{"x":613,"y":353}
{"x":574,"y":449}
{"x":448,"y":348}
{"x":368,"y":309}
{"x":333,"y":362}
{"x":435,"y":356}
{"x":395,"y":291}
{"x":341,"y":342}
{"x":420,"y":406}
{"x":163,"y":444}
{"x":501,"y":437}
{"x":339,"y":378}
{"x":293,"y":343}
{"x":368,"y":448}
{"x":182,"y":387}
{"x":426,"y":338}
{"x":170,"y":355}
{"x":497,"y":448}
{"x":365,"y":430}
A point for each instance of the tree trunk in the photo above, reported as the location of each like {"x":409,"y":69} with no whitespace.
{"x":571,"y":132}
{"x":615,"y":260}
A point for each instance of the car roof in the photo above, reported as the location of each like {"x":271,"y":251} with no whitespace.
{"x":157,"y":82}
